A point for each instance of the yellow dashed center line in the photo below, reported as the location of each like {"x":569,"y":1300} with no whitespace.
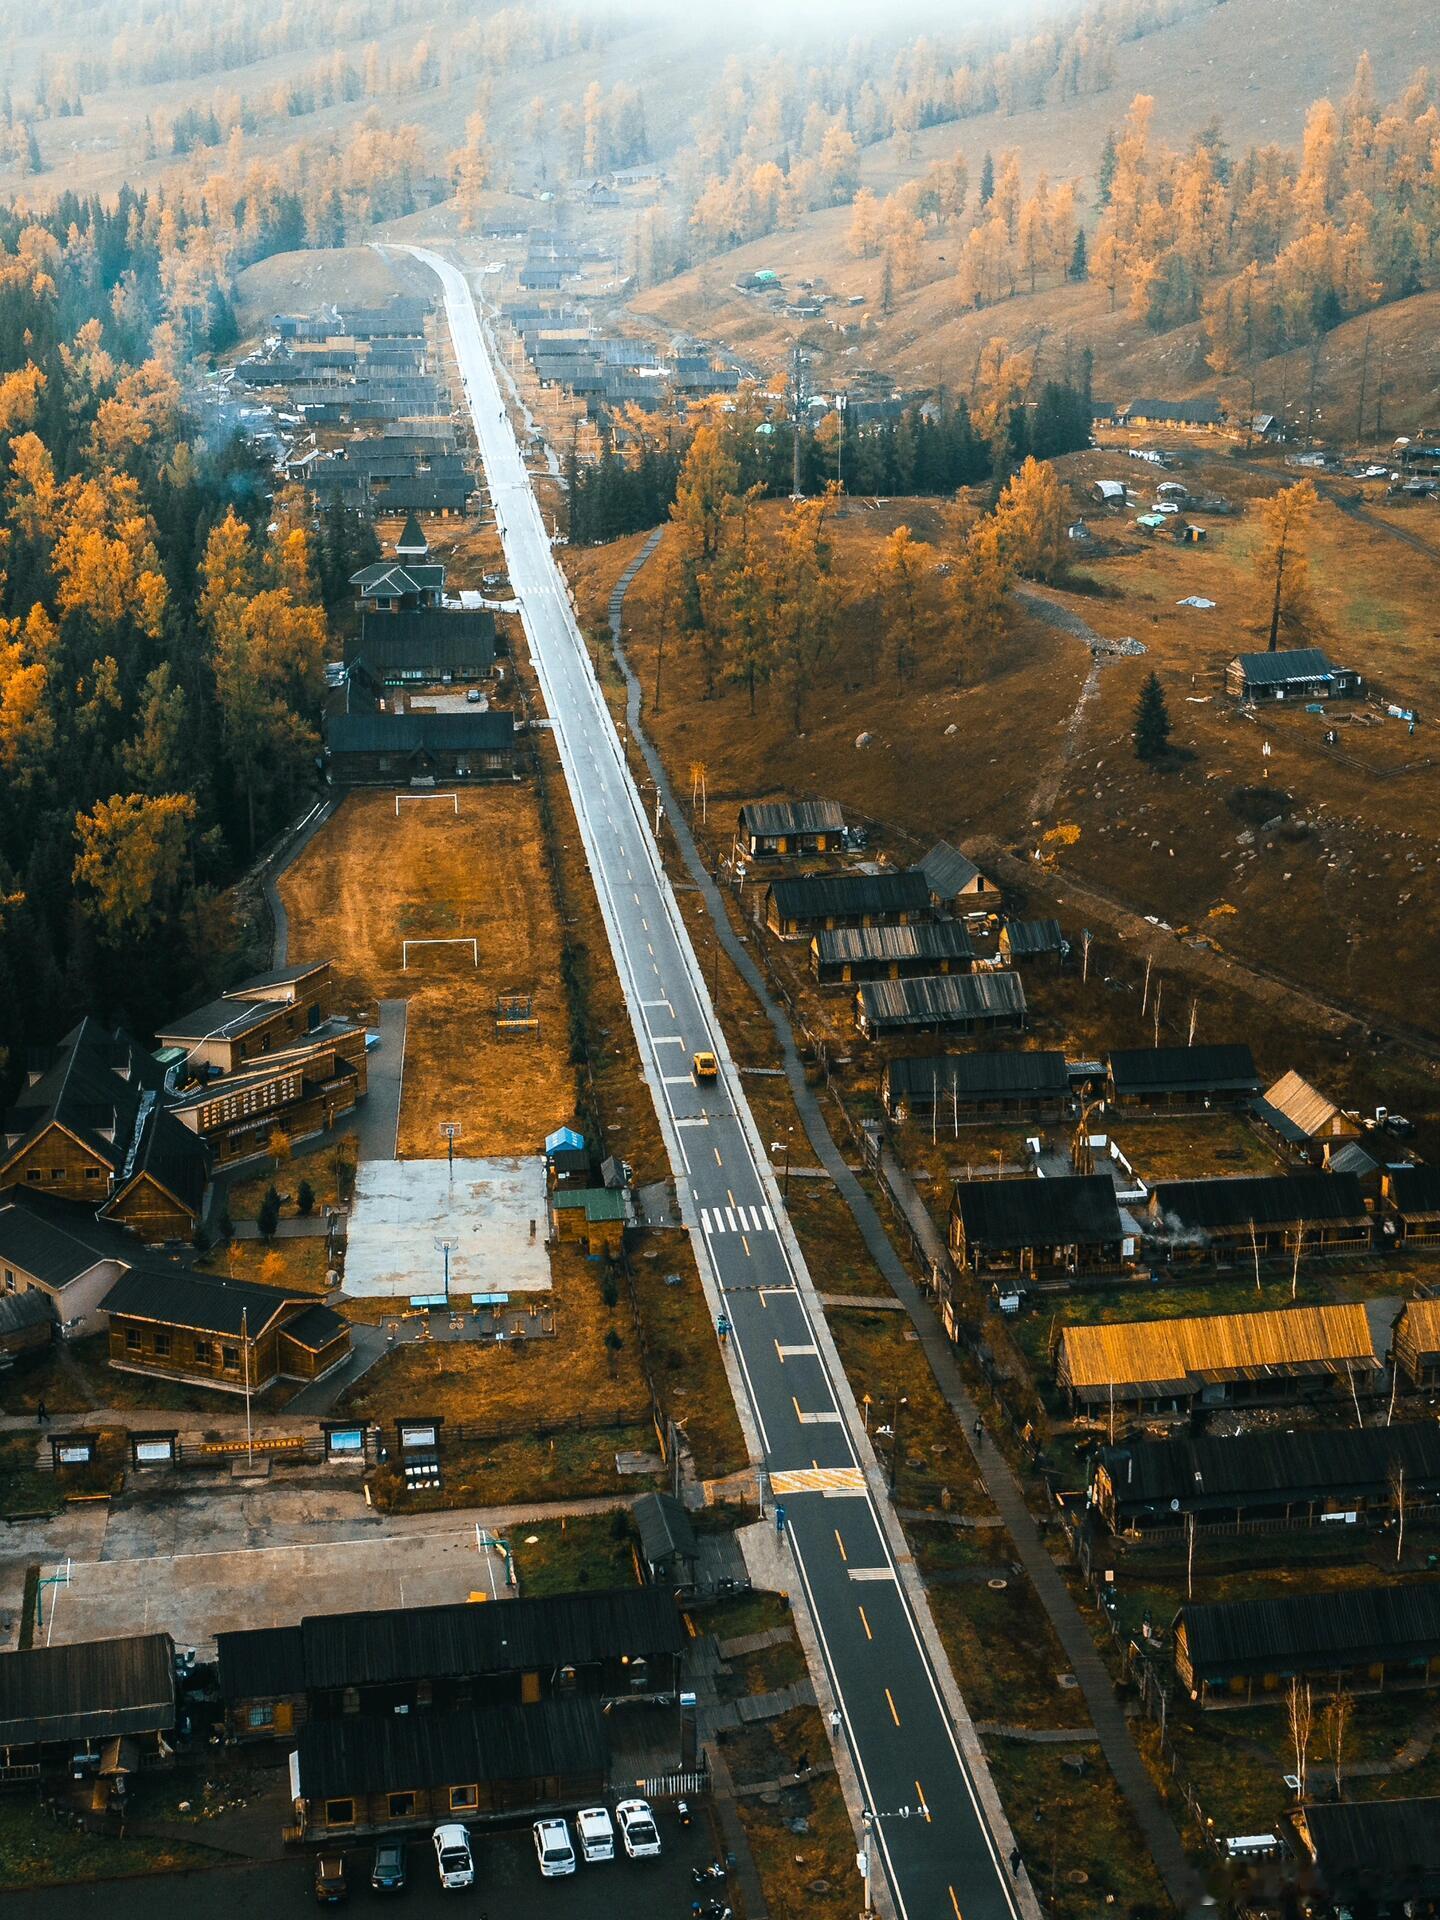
{"x":866,"y":1624}
{"x":718,"y":1161}
{"x":796,"y":1404}
{"x":924,"y":1803}
{"x":841,"y":1545}
{"x":890,"y":1702}
{"x":955,"y":1903}
{"x":746,"y":1244}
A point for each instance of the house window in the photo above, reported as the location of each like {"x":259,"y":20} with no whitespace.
{"x":32,"y":1173}
{"x":639,"y":1673}
{"x":261,"y":1717}
{"x":464,"y":1799}
{"x":350,"y":1700}
{"x":93,"y":1173}
{"x":9,"y":1279}
{"x":132,"y":1339}
{"x":230,"y":1359}
{"x":401,"y":1806}
{"x":162,"y":1346}
{"x":339,"y":1813}
{"x":565,"y":1680}
{"x":57,"y":1173}
{"x":204,"y":1353}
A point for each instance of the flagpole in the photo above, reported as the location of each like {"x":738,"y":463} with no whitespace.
{"x":245,"y":1349}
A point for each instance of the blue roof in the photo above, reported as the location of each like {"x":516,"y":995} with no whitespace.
{"x":565,"y":1137}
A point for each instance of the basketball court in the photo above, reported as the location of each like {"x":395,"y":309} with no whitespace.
{"x":490,"y":1214}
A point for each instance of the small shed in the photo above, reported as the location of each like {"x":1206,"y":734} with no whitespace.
{"x":667,"y":1541}
{"x":1412,"y":1201}
{"x":594,"y":1217}
{"x":1415,"y":1344}
{"x":956,"y":884}
{"x":27,"y":1320}
{"x":1302,"y":1119}
{"x":1027,"y":943}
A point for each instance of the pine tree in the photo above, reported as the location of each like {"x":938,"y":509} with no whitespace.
{"x":1079,"y":259}
{"x":1105,"y":172}
{"x":1152,"y":721}
{"x":987,"y":181}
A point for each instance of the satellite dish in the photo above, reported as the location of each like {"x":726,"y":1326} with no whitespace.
{"x":1174,"y":1506}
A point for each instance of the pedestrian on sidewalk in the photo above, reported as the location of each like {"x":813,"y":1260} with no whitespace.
{"x":836,"y":1722}
{"x":979,"y":1429}
{"x":1015,"y":1860}
{"x":42,"y":1414}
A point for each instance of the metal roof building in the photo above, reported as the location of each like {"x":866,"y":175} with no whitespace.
{"x":960,"y":1002}
{"x":92,"y":1690}
{"x":1331,"y":1633}
{"x":978,"y":1082}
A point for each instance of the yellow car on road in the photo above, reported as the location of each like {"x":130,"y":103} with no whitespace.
{"x":705,"y":1067}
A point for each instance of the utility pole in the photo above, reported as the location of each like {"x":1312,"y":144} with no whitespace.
{"x":445,"y":1247}
{"x":245,"y":1351}
{"x":798,"y":395}
{"x":842,"y":401}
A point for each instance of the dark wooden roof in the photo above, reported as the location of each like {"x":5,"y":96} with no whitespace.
{"x":55,"y":1241}
{"x":664,"y":1527}
{"x":1303,"y":1632}
{"x":418,"y":1643}
{"x":488,"y":732}
{"x":1375,"y":1850}
{"x":203,"y":1302}
{"x":1280,"y":668}
{"x":916,"y":940}
{"x":1003,"y":1214}
{"x":395,"y":1753}
{"x":824,"y":896}
{"x":89,"y":1691}
{"x":1205,"y":1206}
{"x":933,"y":1000}
{"x":1203,"y":1473}
{"x":1218,"y":1069}
{"x":443,"y":640}
{"x":1416,"y":1189}
{"x":978,"y":1076}
{"x":1029,"y":937}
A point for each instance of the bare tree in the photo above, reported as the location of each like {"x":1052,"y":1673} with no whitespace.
{"x":1295,"y":1265}
{"x":1255,"y":1254}
{"x":1337,"y":1721}
{"x":1397,"y":1494}
{"x":1300,"y":1710}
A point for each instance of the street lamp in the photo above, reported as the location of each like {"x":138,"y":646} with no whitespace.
{"x":900,"y":1401}
{"x":783,"y":1146}
{"x":869,"y":1821}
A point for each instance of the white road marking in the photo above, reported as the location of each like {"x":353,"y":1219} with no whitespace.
{"x":819,"y":1419}
{"x":871,"y":1573}
{"x":769,"y":1218}
{"x":790,"y":1353}
{"x":730,"y":1219}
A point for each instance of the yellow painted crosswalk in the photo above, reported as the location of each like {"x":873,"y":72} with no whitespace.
{"x":818,"y":1480}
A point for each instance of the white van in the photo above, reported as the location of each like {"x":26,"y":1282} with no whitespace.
{"x":597,"y":1834}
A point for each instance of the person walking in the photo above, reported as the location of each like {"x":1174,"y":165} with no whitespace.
{"x":42,"y":1415}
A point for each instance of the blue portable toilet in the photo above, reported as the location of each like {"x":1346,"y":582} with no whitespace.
{"x":565,"y":1138}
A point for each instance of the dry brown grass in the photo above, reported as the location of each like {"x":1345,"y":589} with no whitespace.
{"x":369,"y":880}
{"x":524,"y":1381}
{"x":295,"y":1264}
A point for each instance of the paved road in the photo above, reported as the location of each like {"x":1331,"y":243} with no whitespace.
{"x":933,"y":1841}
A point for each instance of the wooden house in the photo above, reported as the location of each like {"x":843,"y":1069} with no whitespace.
{"x":250,"y":1021}
{"x":418,"y":749}
{"x":302,"y":1088}
{"x":388,"y":586}
{"x":669,"y":1551}
{"x":850,"y":954}
{"x":593,"y":1217}
{"x":1032,"y":943}
{"x":1164,"y":1079}
{"x":607,"y":1646}
{"x":941,"y":1003}
{"x":27,"y":1323}
{"x":1289,"y":1356}
{"x":91,"y":1126}
{"x":1412,"y":1205}
{"x":1357,"y":1639}
{"x":769,"y":829}
{"x":1293,"y":673}
{"x":956,"y":884}
{"x":64,"y":1254}
{"x":1230,"y":1221}
{"x":977,"y":1086}
{"x":205,"y":1330}
{"x":1031,"y":1227}
{"x":428,"y":648}
{"x":1302,"y":1120}
{"x":1370,"y":1856}
{"x":1295,"y":1476}
{"x":1415,"y":1346}
{"x":379,"y":1774}
{"x":1200,"y":414}
{"x":797,"y":909}
{"x":86,"y":1696}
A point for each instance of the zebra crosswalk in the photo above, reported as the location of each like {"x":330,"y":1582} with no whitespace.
{"x":736,"y":1220}
{"x":817,"y":1480}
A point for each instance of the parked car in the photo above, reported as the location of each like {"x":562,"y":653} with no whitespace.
{"x":473,"y":696}
{"x":553,"y":1849}
{"x":387,"y":1871}
{"x":596,"y":1833}
{"x":638,"y":1830}
{"x":331,"y":1886}
{"x":453,"y":1858}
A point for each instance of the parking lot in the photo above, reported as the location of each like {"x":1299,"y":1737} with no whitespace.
{"x":508,"y":1884}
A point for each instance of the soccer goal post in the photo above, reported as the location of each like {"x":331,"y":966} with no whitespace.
{"x":452,"y":940}
{"x":453,"y":798}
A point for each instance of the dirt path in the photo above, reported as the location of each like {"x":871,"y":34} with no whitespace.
{"x":1054,"y":614}
{"x":1358,"y":511}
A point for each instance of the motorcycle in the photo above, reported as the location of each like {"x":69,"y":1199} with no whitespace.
{"x":702,"y":1876}
{"x":682,"y":1813}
